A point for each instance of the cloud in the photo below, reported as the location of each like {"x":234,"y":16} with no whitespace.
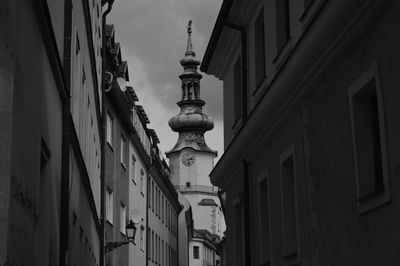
{"x":153,"y":38}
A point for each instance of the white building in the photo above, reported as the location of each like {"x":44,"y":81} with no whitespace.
{"x":191,"y":160}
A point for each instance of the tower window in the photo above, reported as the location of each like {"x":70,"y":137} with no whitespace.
{"x":196,"y":252}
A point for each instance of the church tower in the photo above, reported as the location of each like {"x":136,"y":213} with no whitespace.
{"x":191,"y":160}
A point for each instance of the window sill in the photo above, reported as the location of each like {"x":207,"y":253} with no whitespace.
{"x":123,"y":166}
{"x":134,"y":182}
{"x":237,"y":124}
{"x":142,"y":193}
{"x":282,"y":55}
{"x":260,"y":89}
{"x":110,"y":223}
{"x":292,"y":259}
{"x":372,"y":202}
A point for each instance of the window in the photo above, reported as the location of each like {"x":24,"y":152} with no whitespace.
{"x":369,"y":145}
{"x":149,"y":192}
{"x":152,"y":195}
{"x":259,"y":49}
{"x":282,"y":23}
{"x":238,"y":227}
{"x":109,"y":206}
{"x":141,"y":237}
{"x":152,"y":246}
{"x":142,"y":181}
{"x":289,"y":203}
{"x":122,"y":150}
{"x":187,"y":184}
{"x":264,"y":218}
{"x":132,"y":169}
{"x":237,"y":88}
{"x":83,"y":75}
{"x":196,"y":253}
{"x":162,"y":208}
{"x":122,"y":219}
{"x":77,"y":45}
{"x":109,"y":124}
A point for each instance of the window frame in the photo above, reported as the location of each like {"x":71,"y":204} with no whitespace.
{"x":378,"y":198}
{"x":263,"y":180}
{"x":109,"y":128}
{"x":196,"y":252}
{"x":109,"y":206}
{"x":290,"y":257}
{"x":122,"y":219}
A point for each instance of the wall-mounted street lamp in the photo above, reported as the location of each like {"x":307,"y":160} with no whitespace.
{"x":130,"y":228}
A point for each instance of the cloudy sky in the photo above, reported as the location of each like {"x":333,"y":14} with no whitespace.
{"x":153,"y":38}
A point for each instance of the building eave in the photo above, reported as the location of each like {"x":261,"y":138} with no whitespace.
{"x":312,"y":54}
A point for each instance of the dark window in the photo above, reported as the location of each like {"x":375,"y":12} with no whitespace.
{"x":237,"y":87}
{"x":282,"y":23}
{"x":77,"y":45}
{"x":187,"y":184}
{"x":259,"y":47}
{"x":289,"y":206}
{"x":367,"y":141}
{"x":264,"y":223}
{"x":196,"y":252}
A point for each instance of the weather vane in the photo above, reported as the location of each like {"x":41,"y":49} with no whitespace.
{"x":189,"y":26}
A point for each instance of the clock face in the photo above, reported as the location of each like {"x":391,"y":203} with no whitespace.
{"x":187,"y":158}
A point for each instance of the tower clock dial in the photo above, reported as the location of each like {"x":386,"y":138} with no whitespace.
{"x":187,"y":158}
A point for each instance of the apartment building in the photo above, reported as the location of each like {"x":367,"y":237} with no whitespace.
{"x":51,"y":133}
{"x":127,"y":159}
{"x":163,"y":210}
{"x":310,"y":169}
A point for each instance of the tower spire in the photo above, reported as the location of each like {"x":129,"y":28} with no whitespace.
{"x":191,"y":123}
{"x":189,"y":49}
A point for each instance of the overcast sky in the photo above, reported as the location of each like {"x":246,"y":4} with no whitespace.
{"x":153,"y":38}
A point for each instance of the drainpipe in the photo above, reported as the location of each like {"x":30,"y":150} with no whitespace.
{"x":103,"y":110}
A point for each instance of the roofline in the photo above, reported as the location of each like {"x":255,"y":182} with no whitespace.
{"x":216,"y":33}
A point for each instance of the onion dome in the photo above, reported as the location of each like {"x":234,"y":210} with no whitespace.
{"x":191,"y":122}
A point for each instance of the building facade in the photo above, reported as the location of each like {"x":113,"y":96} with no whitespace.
{"x":51,"y":123}
{"x":191,"y":160}
{"x":163,"y":210}
{"x":310,"y":125}
{"x":126,"y":159}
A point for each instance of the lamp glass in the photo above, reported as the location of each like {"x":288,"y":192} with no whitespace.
{"x":130,"y":230}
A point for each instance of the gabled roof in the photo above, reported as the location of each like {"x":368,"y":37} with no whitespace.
{"x":142,"y":114}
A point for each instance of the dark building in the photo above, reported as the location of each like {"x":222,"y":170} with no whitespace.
{"x":310,"y":169}
{"x":50,"y":128}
